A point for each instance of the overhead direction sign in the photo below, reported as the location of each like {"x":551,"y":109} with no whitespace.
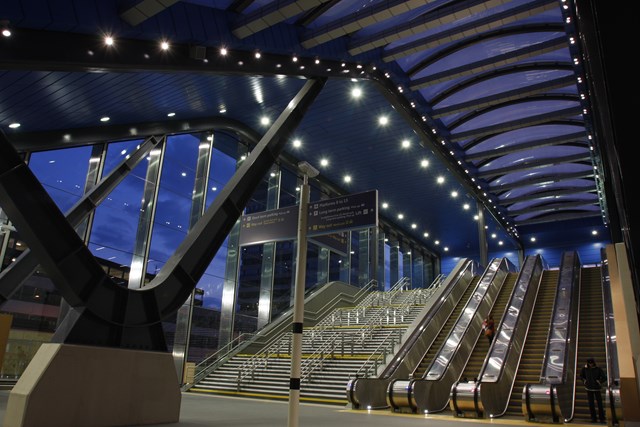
{"x":325,"y":217}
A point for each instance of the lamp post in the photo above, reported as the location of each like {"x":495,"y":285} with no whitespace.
{"x":298,"y":302}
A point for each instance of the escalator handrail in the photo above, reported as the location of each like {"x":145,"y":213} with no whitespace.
{"x":464,"y":267}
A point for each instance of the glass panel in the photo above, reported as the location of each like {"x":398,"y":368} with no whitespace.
{"x":59,"y":173}
{"x":283,"y":277}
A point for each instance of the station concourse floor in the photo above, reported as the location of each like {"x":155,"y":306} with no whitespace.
{"x":200,"y":410}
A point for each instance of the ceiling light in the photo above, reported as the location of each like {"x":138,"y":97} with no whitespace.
{"x":264,"y":120}
{"x":594,"y":232}
{"x":440,"y":180}
{"x":476,"y":217}
{"x":454,"y":194}
{"x":500,"y":242}
{"x":294,"y":59}
{"x":171,"y":114}
{"x":356,"y":92}
{"x":297,"y":143}
{"x":347,"y":178}
{"x":6,"y":31}
{"x":414,"y":226}
{"x":164,"y":45}
{"x":466,"y":206}
{"x":493,"y":235}
{"x":425,"y":234}
{"x":108,"y":40}
{"x":324,"y":162}
{"x":383,"y":120}
{"x":437,"y":242}
{"x":183,"y":174}
{"x":105,"y":119}
{"x":14,"y":125}
{"x":385,"y":205}
{"x":223,"y":51}
{"x":223,"y":109}
{"x":446,"y":249}
{"x":317,"y":61}
{"x":406,"y":143}
{"x":258,"y":55}
{"x":400,"y":216}
{"x":424,"y":163}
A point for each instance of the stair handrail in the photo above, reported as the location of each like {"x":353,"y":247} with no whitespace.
{"x":365,"y":365}
{"x":249,"y":366}
{"x":220,"y":355}
{"x":318,"y":357}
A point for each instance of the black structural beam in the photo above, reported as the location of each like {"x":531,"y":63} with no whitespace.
{"x":104,"y":313}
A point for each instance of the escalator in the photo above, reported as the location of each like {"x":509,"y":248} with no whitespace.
{"x":530,"y":366}
{"x":591,"y":337}
{"x":444,"y":332}
{"x":474,"y":365}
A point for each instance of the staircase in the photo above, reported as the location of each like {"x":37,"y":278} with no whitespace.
{"x":591,"y":341}
{"x":346,"y":341}
{"x":535,"y":345}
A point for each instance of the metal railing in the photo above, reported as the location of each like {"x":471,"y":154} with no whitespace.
{"x":219,"y":357}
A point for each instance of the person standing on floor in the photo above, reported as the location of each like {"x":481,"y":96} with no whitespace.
{"x":593,"y":377}
{"x":488,"y":326}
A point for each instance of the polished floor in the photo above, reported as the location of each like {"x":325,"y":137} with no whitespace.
{"x":198,"y":410}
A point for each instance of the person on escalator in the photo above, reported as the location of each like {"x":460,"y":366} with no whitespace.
{"x":488,"y":326}
{"x":593,"y":377}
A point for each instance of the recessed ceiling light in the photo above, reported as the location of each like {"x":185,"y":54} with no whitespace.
{"x":164,"y":45}
{"x":297,"y":143}
{"x":406,"y":143}
{"x":594,"y":232}
{"x":454,"y":194}
{"x":424,"y":163}
{"x":414,"y":226}
{"x":493,"y":235}
{"x":258,"y":55}
{"x":356,"y":92}
{"x":264,"y":120}
{"x":223,"y":51}
{"x":425,"y":234}
{"x":104,"y":119}
{"x":446,"y":249}
{"x":171,"y":114}
{"x":533,"y":239}
{"x":14,"y":125}
{"x":440,"y":179}
{"x":324,"y":162}
{"x":108,"y":40}
{"x":466,"y":206}
{"x":6,"y":32}
{"x":347,"y":178}
{"x":383,"y":120}
{"x":400,"y":216}
{"x":385,"y":205}
{"x":222,"y":110}
{"x":437,"y":242}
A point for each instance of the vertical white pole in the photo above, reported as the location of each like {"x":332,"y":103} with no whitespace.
{"x":298,"y":305}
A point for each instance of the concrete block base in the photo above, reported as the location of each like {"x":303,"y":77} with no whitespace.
{"x":72,"y":385}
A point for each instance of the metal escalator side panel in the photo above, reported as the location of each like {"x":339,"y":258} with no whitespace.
{"x":498,"y":373}
{"x":399,"y":396}
{"x":612,"y":402}
{"x":432,"y":393}
{"x":422,"y":333}
{"x":374,"y":392}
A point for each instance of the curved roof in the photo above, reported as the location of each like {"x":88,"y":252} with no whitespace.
{"x":490,"y":95}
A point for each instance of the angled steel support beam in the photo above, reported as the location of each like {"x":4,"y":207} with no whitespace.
{"x":541,"y":180}
{"x":143,"y":10}
{"x":571,"y":138}
{"x":495,"y":61}
{"x":361,"y":19}
{"x":104,"y":313}
{"x":239,"y":5}
{"x":536,"y":164}
{"x":12,"y":278}
{"x":517,"y":124}
{"x":499,"y":98}
{"x":66,"y":138}
{"x":271,"y":14}
{"x":461,"y":31}
{"x":317,"y":12}
{"x":61,"y":51}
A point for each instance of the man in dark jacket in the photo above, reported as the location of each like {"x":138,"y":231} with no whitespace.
{"x":593,"y":377}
